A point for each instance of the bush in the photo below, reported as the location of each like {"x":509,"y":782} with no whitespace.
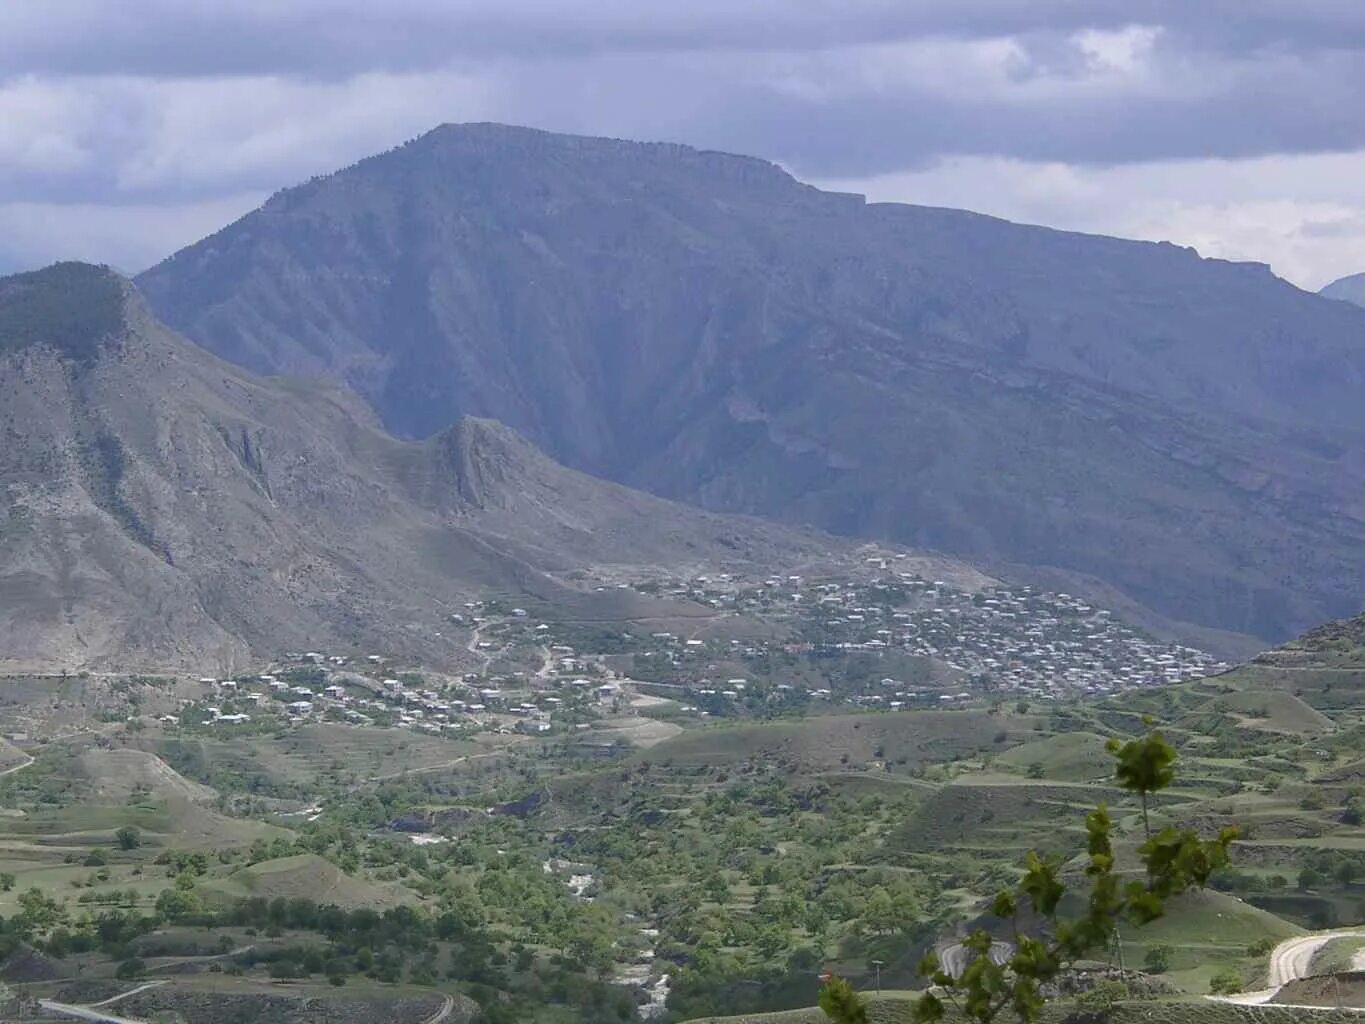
{"x":133,"y":967}
{"x":1103,"y":997}
{"x":1226,"y":982}
{"x":1158,"y":959}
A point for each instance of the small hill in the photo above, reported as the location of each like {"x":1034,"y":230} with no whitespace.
{"x":1324,"y":669}
{"x":1210,"y":924}
{"x":896,"y":740}
{"x":1067,"y":757}
{"x":1271,"y":711}
{"x":308,"y":876}
{"x":1000,"y":817}
{"x":116,"y":776}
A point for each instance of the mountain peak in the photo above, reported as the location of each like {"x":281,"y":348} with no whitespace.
{"x":74,"y":308}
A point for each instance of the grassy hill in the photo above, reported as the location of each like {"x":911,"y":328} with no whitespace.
{"x":1066,"y":757}
{"x":897,"y":740}
{"x":308,"y":876}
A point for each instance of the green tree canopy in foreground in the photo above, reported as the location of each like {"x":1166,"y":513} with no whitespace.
{"x":1174,"y":861}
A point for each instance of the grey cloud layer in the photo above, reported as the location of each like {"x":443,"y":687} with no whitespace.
{"x":212,"y":37}
{"x":181,"y":103}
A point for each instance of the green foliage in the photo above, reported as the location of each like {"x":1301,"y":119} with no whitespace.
{"x":1103,"y":997}
{"x":1174,"y":861}
{"x":128,"y":838}
{"x":1146,"y":765}
{"x":1158,"y":959}
{"x":73,"y":307}
{"x":1226,"y":982}
{"x":841,"y":1003}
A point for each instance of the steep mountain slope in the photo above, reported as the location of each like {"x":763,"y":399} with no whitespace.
{"x":1350,"y":289}
{"x":162,"y":508}
{"x":704,"y":326}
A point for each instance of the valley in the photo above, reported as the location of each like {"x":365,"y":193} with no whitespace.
{"x":616,"y":823}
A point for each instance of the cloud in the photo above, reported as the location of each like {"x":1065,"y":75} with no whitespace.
{"x":194,"y":102}
{"x":1302,"y":214}
{"x":128,"y":237}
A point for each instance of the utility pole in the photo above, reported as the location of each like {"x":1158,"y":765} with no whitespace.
{"x":1116,"y":948}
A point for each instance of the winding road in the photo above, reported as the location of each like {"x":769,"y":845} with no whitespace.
{"x":1290,"y":961}
{"x":957,"y":958}
{"x":443,"y":1012}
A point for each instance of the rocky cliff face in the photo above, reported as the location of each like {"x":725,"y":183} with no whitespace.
{"x":706,"y":327}
{"x":161,"y":508}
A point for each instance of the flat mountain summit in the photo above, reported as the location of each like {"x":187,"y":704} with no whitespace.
{"x":165,"y":509}
{"x":1186,"y":432}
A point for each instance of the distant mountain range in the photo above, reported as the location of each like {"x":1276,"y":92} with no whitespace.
{"x":1350,"y":288}
{"x":1091,"y":411}
{"x":163,"y":509}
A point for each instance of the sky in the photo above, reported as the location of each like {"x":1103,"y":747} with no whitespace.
{"x":129,"y":128}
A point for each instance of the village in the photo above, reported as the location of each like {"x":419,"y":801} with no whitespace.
{"x":877,"y":639}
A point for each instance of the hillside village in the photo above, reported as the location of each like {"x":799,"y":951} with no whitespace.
{"x":891,"y":640}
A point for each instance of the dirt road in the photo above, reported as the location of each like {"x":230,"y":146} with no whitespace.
{"x":1289,"y":961}
{"x":443,"y":1012}
{"x":16,"y":768}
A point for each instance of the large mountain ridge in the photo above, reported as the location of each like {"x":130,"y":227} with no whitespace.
{"x":706,"y":327}
{"x":164,"y":509}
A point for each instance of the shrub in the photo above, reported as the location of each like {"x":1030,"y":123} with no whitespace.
{"x":1158,"y":959}
{"x":1226,"y":982}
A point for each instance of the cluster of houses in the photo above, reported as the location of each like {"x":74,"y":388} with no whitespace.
{"x":1019,"y":640}
{"x":1012,"y":639}
{"x":362,"y":697}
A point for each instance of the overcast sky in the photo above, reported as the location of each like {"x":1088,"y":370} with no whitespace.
{"x":131,"y":127}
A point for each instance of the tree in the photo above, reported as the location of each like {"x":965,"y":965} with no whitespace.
{"x":128,"y":838}
{"x":7,"y":881}
{"x":1158,"y":959}
{"x":1145,"y":766}
{"x":1175,"y":861}
{"x":841,"y":1003}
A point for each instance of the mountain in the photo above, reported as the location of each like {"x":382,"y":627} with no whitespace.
{"x":1111,"y":414}
{"x":164,"y":509}
{"x":1349,"y":289}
